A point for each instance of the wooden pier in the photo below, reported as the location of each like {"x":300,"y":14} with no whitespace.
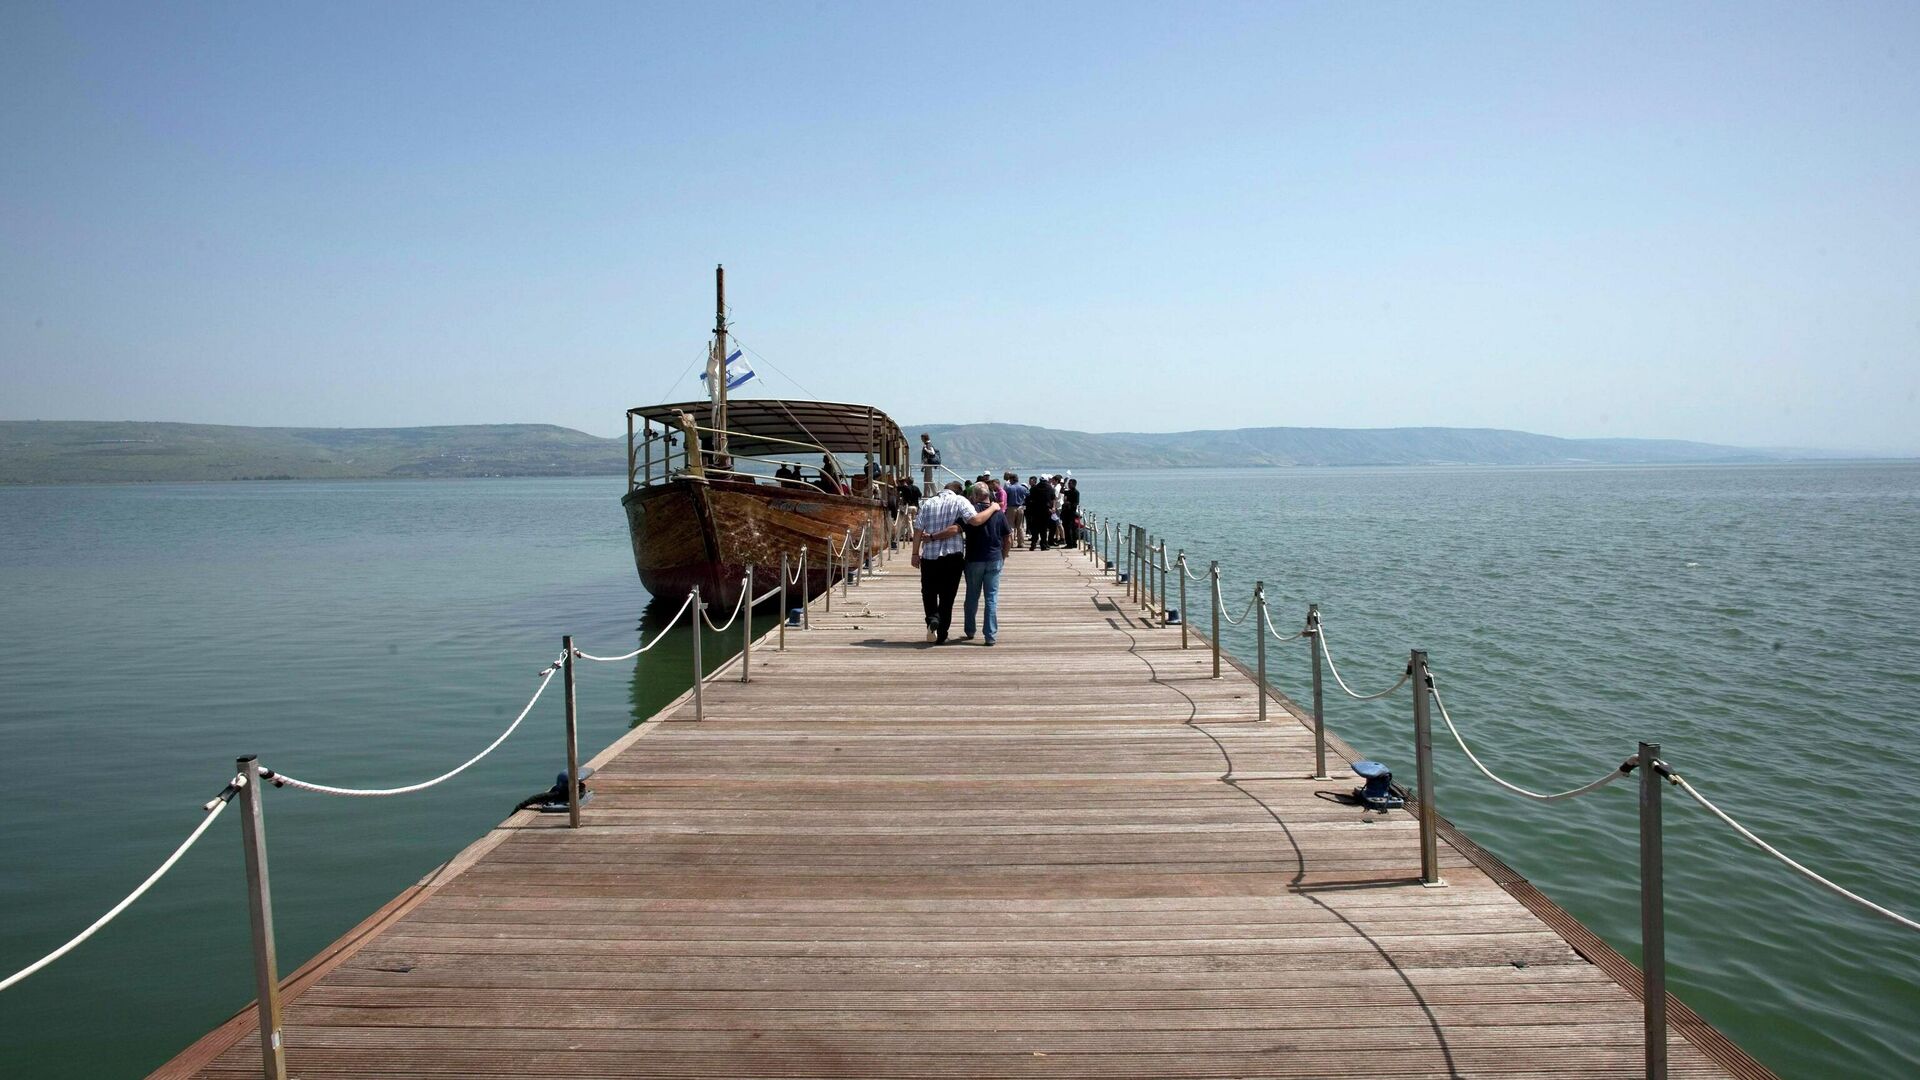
{"x":1072,"y":854}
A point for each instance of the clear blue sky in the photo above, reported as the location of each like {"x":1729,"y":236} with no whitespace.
{"x":1696,"y":221}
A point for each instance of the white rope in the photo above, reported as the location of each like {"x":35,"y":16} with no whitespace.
{"x":766,"y":596}
{"x":1404,"y":676}
{"x":657,"y":638}
{"x":1267,"y":617}
{"x":1191,"y":576}
{"x":213,"y":810}
{"x":1230,"y":619}
{"x":737,"y":605}
{"x":1801,"y":870}
{"x":280,"y":778}
{"x":797,"y":567}
{"x":1515,"y":788}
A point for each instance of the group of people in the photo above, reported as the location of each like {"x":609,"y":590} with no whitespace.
{"x":963,"y":532}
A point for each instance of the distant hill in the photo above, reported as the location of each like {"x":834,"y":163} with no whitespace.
{"x":980,"y":445}
{"x":46,"y":452}
{"x":42,"y":452}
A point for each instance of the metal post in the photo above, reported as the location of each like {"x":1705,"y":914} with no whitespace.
{"x":846,"y":571}
{"x":573,"y":737}
{"x":1653,"y":925}
{"x":1180,"y":563}
{"x":806,"y":601}
{"x":1319,"y":702}
{"x":1134,"y":539}
{"x":1146,"y":583}
{"x":1161,"y":564}
{"x":1213,"y":574}
{"x":699,"y":673}
{"x":1146,"y":573}
{"x":783,"y":602}
{"x":1260,"y":648}
{"x":1423,"y":758}
{"x":266,"y":971}
{"x":746,"y":629}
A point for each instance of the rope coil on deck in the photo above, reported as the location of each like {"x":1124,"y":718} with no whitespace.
{"x":282,"y":780}
{"x":1404,"y":676}
{"x":658,"y":637}
{"x":1625,"y":767}
{"x":212,"y":811}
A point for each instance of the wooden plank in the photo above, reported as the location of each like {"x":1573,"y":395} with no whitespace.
{"x":1074,"y":854}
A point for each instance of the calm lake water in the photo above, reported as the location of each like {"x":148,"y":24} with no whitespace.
{"x":1759,"y":622}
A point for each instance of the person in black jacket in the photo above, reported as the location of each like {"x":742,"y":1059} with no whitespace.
{"x":1039,"y":512}
{"x":1070,"y":514}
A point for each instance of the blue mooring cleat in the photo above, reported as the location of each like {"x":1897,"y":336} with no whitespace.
{"x":554,"y":800}
{"x":1378,"y":792}
{"x":793,"y":616}
{"x":1173,"y":616}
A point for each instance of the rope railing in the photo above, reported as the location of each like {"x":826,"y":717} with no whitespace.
{"x":1748,"y":835}
{"x":1267,"y":617}
{"x":281,"y":779}
{"x":212,"y":811}
{"x":1218,"y":603}
{"x":737,"y":606}
{"x":1153,"y":558}
{"x":1351,"y":692}
{"x":658,"y":636}
{"x":1625,"y":768}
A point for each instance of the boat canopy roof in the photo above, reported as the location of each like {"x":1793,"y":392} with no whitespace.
{"x":770,"y":427}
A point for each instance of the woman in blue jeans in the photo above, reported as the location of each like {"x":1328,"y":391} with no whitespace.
{"x":987,"y":533}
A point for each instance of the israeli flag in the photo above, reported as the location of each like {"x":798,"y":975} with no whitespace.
{"x":736,"y":376}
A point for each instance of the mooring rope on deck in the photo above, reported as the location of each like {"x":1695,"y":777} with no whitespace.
{"x":281,"y":779}
{"x":212,"y":810}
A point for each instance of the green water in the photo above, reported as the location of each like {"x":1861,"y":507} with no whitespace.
{"x":1758,"y":621}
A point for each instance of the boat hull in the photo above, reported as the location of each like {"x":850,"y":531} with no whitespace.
{"x":691,"y":534}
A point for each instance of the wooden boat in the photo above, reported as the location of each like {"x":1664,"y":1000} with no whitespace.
{"x":704,"y":500}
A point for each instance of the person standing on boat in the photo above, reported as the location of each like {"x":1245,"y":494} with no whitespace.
{"x":940,"y":553}
{"x":929,"y":457}
{"x":987,"y":533}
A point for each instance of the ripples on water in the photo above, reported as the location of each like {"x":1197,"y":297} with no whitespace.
{"x":1758,"y":622}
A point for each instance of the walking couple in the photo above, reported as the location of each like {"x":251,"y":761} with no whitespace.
{"x":957,"y":536}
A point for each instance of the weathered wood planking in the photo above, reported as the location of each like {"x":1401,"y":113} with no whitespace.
{"x":1073,"y":854}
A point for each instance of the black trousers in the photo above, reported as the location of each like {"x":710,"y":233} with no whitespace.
{"x":939,"y":582}
{"x":1040,"y":529}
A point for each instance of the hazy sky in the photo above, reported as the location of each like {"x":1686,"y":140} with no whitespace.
{"x":1694,"y":221}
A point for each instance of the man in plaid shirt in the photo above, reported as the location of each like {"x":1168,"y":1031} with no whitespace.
{"x":940,"y":551}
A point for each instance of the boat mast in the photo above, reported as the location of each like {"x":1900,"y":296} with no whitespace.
{"x":719,"y":380}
